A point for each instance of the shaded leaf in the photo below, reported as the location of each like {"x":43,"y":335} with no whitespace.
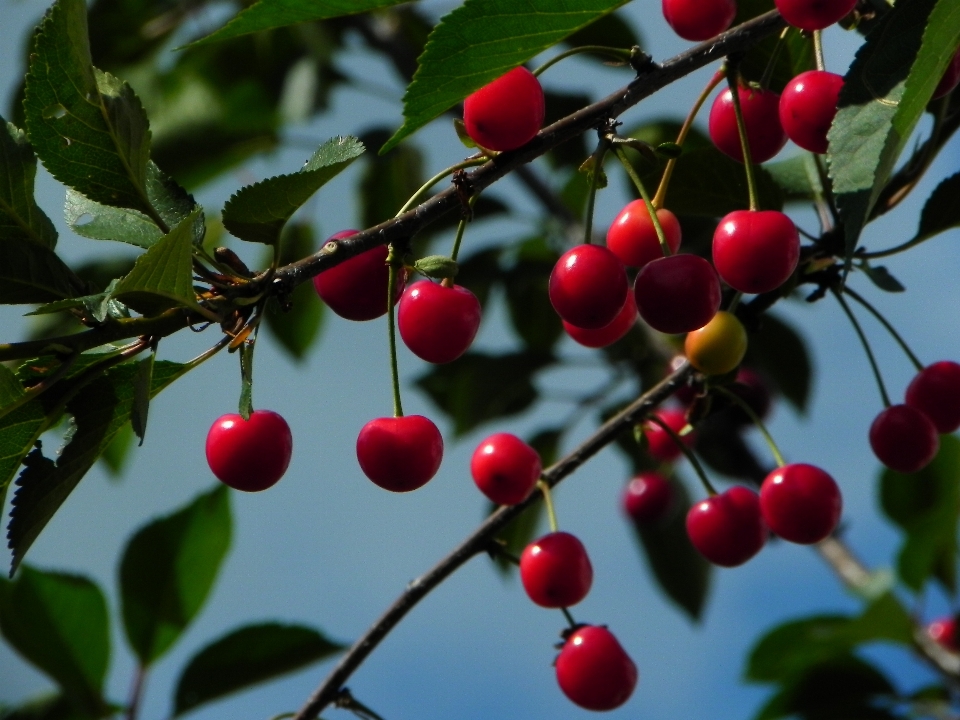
{"x":797,"y":178}
{"x":387,"y":181}
{"x":780,"y":351}
{"x":20,"y":216}
{"x":941,"y":211}
{"x":19,"y":431}
{"x":480,"y":273}
{"x":115,"y":456}
{"x":47,"y":707}
{"x":531,"y":313}
{"x":10,"y":387}
{"x":794,"y":54}
{"x":608,"y":31}
{"x":32,"y":273}
{"x":296,"y":325}
{"x":98,"y":306}
{"x":881,"y":277}
{"x":142,"y":383}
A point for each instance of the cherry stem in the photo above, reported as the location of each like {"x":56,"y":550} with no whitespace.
{"x":890,"y":329}
{"x":548,"y":501}
{"x":697,"y":467}
{"x":818,"y":50}
{"x":207,"y":354}
{"x":744,"y":144}
{"x":625,"y":161}
{"x":745,"y":406}
{"x":866,"y":347}
{"x":616,"y":53}
{"x":772,"y":62}
{"x":597,"y":157}
{"x":392,"y":331}
{"x":470,"y":162}
{"x":136,"y":692}
{"x":569,"y":617}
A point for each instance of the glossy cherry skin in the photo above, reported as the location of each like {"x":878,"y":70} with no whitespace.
{"x":593,"y":669}
{"x":400,"y":453}
{"x":761,"y":116}
{"x":505,"y":468}
{"x":727,"y":529}
{"x":555,"y":570}
{"x":950,"y":79}
{"x":719,"y":346}
{"x":609,"y":333}
{"x":935,"y":391}
{"x":659,"y":444}
{"x":249,"y":455}
{"x":944,"y":631}
{"x":697,"y":20}
{"x":506,"y":113}
{"x":904,"y":439}
{"x":633,"y":238}
{"x":756,"y":251}
{"x":677,"y":294}
{"x":800,"y":503}
{"x":814,"y":14}
{"x":356,"y":289}
{"x":588,"y":286}
{"x":647,"y":498}
{"x":438,"y":323}
{"x":808,"y":106}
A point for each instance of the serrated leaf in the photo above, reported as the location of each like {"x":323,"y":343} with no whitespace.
{"x":257,"y":213}
{"x":19,"y":431}
{"x":168,"y":569}
{"x":32,"y":273}
{"x":797,"y":178}
{"x":10,"y":388}
{"x":248,"y":656}
{"x":881,"y":277}
{"x":941,"y":211}
{"x":20,"y":216}
{"x":97,"y":306}
{"x":481,"y":40}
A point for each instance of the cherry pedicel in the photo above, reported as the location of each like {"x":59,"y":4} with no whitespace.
{"x":756,"y":251}
{"x":400,"y":453}
{"x":555,"y":570}
{"x":249,"y":455}
{"x":506,"y":113}
{"x":904,"y":439}
{"x":814,"y":14}
{"x":677,"y":294}
{"x":659,"y":443}
{"x":697,"y":20}
{"x":593,"y":669}
{"x":944,"y":631}
{"x":438,"y":323}
{"x":935,"y":391}
{"x":609,"y":333}
{"x":647,"y":498}
{"x":761,"y":118}
{"x":505,"y":468}
{"x":633,"y":238}
{"x":950,"y":79}
{"x":727,"y":529}
{"x":356,"y":289}
{"x":800,"y":503}
{"x":588,"y":286}
{"x":808,"y":106}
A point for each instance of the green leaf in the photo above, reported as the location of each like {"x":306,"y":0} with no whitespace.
{"x":32,"y":273}
{"x":481,"y":40}
{"x":247,"y":656}
{"x":797,"y":178}
{"x":99,"y":306}
{"x":59,"y":623}
{"x":941,"y":211}
{"x":885,"y":93}
{"x":794,"y":54}
{"x":20,"y":216}
{"x":780,"y":351}
{"x":297,"y":323}
{"x":142,"y":382}
{"x":480,"y":272}
{"x":19,"y":431}
{"x":387,"y":181}
{"x":117,"y":453}
{"x":882,"y":278}
{"x":168,"y":569}
{"x":10,"y":388}
{"x":46,"y":707}
{"x":531,"y":313}
{"x":257,"y":213}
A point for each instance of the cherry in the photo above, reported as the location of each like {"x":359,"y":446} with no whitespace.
{"x":719,"y":346}
{"x":677,"y":294}
{"x":505,"y":468}
{"x":438,"y":323}
{"x":633,"y":238}
{"x":593,"y":669}
{"x":400,"y":453}
{"x":659,"y":444}
{"x":950,"y":79}
{"x":555,"y":570}
{"x":727,"y":529}
{"x":800,"y":503}
{"x":814,"y":14}
{"x":647,"y":498}
{"x":356,"y":289}
{"x":588,"y":286}
{"x":935,"y":391}
{"x":761,"y":117}
{"x":904,"y":439}
{"x":808,"y":106}
{"x":756,"y":251}
{"x":944,"y":631}
{"x":697,"y":20}
{"x":249,"y":455}
{"x":506,"y":113}
{"x":609,"y":333}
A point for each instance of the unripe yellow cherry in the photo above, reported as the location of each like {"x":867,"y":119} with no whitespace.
{"x":719,"y":346}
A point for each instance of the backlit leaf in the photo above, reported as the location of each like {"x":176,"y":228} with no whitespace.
{"x":20,"y":216}
{"x":32,"y":273}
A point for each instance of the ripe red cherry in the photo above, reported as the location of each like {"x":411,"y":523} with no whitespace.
{"x":593,"y":669}
{"x":659,"y":444}
{"x":727,"y":529}
{"x":506,"y":113}
{"x":944,"y":631}
{"x":555,"y":570}
{"x":400,"y":453}
{"x":808,"y":106}
{"x":904,"y":439}
{"x":438,"y":323}
{"x":950,"y":79}
{"x":633,"y":238}
{"x":505,"y":468}
{"x":588,"y":286}
{"x":609,"y":333}
{"x":800,"y":503}
{"x":761,"y":116}
{"x":677,"y":294}
{"x":249,"y":455}
{"x":356,"y":289}
{"x":935,"y":391}
{"x":647,"y":498}
{"x":756,"y":251}
{"x":697,"y":20}
{"x":814,"y":14}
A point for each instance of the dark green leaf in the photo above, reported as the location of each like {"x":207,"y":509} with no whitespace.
{"x":797,"y":178}
{"x":10,"y":387}
{"x":297,"y":324}
{"x":20,"y":216}
{"x":32,"y":273}
{"x":437,"y":266}
{"x":117,"y":453}
{"x":248,"y":656}
{"x":941,"y":211}
{"x":480,"y":272}
{"x":246,"y":380}
{"x":168,"y":569}
{"x":609,"y":31}
{"x":47,"y":707}
{"x":387,"y":181}
{"x":142,"y":383}
{"x":531,"y":313}
{"x":19,"y":431}
{"x":881,"y":277}
{"x":794,"y":54}
{"x":480,"y":41}
{"x":99,"y":306}
{"x":780,"y":351}
{"x":59,"y":623}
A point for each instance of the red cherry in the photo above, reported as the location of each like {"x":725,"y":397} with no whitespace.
{"x":800,"y":503}
{"x":647,"y":498}
{"x":506,"y":113}
{"x":727,"y":529}
{"x":400,"y":453}
{"x":659,"y":444}
{"x":904,"y":439}
{"x":438,"y":323}
{"x":944,"y":631}
{"x":249,"y":455}
{"x":950,"y":79}
{"x":505,"y":468}
{"x":935,"y":391}
{"x":633,"y":238}
{"x":697,"y":20}
{"x":677,"y":294}
{"x":593,"y":669}
{"x":814,"y":14}
{"x":756,"y":251}
{"x":609,"y":333}
{"x":807,"y":108}
{"x":588,"y":286}
{"x":356,"y":289}
{"x":555,"y":570}
{"x":761,"y":116}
